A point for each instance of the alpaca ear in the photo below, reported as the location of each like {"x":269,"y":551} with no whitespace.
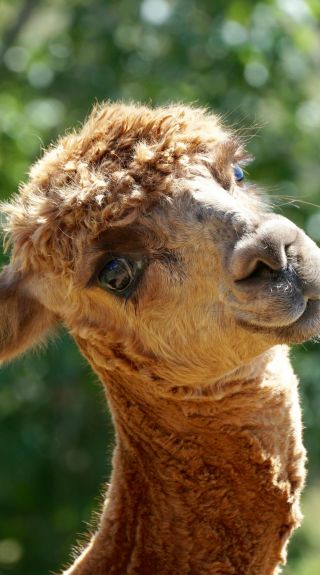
{"x":23,"y":320}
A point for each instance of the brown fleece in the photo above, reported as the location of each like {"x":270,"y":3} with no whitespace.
{"x":209,"y":464}
{"x":201,"y":485}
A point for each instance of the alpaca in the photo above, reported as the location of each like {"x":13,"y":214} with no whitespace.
{"x":183,"y":290}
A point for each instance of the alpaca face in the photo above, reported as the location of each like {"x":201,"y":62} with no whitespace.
{"x":221,"y":276}
{"x":201,"y":273}
{"x":169,"y":260}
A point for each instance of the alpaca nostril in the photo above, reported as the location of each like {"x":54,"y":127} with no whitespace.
{"x":261,"y":259}
{"x":265,"y":252}
{"x":274,"y":258}
{"x":262,"y":270}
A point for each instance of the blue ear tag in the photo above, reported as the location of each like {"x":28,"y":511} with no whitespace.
{"x":238,"y":173}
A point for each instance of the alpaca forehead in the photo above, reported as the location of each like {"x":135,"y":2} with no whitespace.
{"x":218,"y":203}
{"x":160,"y":227}
{"x":168,"y":226}
{"x":207,"y":192}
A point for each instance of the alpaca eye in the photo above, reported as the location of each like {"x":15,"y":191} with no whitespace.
{"x":238,"y":173}
{"x":118,"y":276}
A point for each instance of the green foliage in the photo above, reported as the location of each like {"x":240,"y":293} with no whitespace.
{"x":257,"y":63}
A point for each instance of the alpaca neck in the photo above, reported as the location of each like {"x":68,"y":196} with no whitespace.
{"x":201,"y":484}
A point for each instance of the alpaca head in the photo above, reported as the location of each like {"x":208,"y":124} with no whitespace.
{"x":140,"y":236}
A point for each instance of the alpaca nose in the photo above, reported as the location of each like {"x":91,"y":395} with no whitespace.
{"x":264,"y":251}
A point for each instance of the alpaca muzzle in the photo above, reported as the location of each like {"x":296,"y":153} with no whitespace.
{"x":275,"y":273}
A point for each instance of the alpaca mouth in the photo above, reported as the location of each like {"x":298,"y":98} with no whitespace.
{"x":281,"y":304}
{"x":305,"y":327}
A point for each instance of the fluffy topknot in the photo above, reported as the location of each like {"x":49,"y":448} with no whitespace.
{"x":123,"y":160}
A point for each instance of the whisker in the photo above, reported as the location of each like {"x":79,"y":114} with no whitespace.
{"x":297,"y":200}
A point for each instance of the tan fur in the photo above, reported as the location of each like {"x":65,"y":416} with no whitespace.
{"x":209,"y":463}
{"x":23,"y":319}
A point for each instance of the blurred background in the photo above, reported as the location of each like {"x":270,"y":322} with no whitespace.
{"x":256,"y":63}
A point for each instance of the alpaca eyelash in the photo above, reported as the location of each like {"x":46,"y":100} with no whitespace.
{"x":138,"y":266}
{"x":120,"y":275}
